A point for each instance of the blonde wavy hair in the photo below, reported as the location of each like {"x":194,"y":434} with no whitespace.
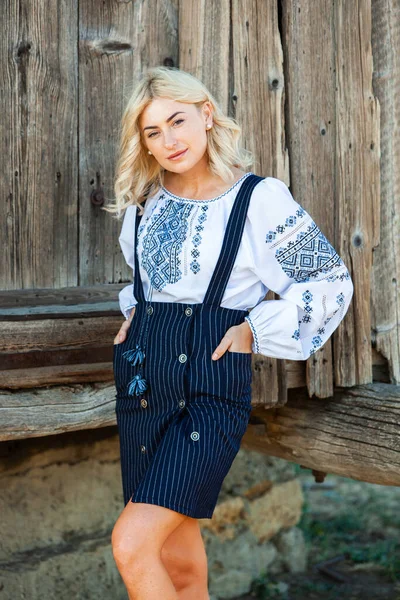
{"x":136,"y":172}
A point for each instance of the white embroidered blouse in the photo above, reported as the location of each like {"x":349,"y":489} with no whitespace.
{"x":282,"y":249}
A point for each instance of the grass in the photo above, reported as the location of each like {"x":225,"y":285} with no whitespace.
{"x":346,"y":533}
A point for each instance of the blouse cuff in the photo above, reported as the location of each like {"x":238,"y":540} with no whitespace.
{"x":271,"y":322}
{"x":127,"y":300}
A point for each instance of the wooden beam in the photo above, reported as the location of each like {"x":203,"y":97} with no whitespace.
{"x":56,"y":409}
{"x":65,"y":302}
{"x":355,"y":433}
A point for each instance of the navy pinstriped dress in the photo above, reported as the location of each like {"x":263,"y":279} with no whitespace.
{"x":181,"y":415}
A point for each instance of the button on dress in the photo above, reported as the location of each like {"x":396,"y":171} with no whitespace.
{"x":181,"y":415}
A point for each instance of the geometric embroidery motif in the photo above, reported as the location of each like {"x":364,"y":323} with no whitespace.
{"x":290,"y":221}
{"x":162,"y":244}
{"x":307,"y":299}
{"x":308,"y":256}
{"x":194,"y":265}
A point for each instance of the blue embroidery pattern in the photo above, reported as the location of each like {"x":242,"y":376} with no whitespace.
{"x":290,"y":221}
{"x":317,"y":343}
{"x":144,"y":221}
{"x":194,"y":265}
{"x":162,"y":244}
{"x":308,"y":256}
{"x":342,"y":276}
{"x":340,"y":299}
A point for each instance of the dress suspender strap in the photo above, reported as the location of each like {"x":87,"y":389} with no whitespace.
{"x":231,"y":242}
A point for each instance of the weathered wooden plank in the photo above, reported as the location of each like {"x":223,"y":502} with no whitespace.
{"x":204,"y":44}
{"x":68,"y":374}
{"x":57,"y":303}
{"x":57,"y":334}
{"x":308,"y":42}
{"x":355,"y":434}
{"x":117,"y":41}
{"x":259,"y":85}
{"x":56,"y":409}
{"x":57,"y":348}
{"x":385,"y":300}
{"x":38,"y":186}
{"x":258,"y":93}
{"x":357,"y":183}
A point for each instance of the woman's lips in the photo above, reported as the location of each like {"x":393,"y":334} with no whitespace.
{"x":178,"y":155}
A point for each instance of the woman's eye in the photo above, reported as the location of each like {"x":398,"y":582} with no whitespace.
{"x":175,"y":123}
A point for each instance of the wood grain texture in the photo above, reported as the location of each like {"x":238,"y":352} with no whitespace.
{"x":39,"y":182}
{"x":333,"y":137}
{"x":57,"y":409}
{"x":356,"y":433}
{"x":309,"y":46}
{"x":357,"y":184}
{"x":258,"y":105}
{"x":117,"y":41}
{"x":385,"y":301}
{"x":204,"y":37}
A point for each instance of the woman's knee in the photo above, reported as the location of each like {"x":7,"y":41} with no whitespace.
{"x":185,"y":571}
{"x":184,"y":556}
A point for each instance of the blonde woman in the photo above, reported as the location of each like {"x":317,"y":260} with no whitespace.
{"x":205,"y":238}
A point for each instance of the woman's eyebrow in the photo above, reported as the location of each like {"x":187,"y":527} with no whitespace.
{"x":167,"y":120}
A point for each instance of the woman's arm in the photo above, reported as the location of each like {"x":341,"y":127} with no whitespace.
{"x":126,"y":240}
{"x":293,"y":258}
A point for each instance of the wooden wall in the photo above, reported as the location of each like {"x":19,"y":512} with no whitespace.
{"x":314,"y":87}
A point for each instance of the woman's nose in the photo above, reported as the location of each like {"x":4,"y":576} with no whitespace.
{"x":169,"y":140}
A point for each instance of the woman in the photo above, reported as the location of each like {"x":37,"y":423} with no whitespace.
{"x":211,"y":240}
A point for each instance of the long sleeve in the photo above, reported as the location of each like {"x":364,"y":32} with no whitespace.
{"x":293,"y":258}
{"x":126,"y":240}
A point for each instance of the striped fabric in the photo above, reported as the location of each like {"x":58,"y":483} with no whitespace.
{"x":179,"y":437}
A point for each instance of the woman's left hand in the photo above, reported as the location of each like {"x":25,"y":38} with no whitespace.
{"x":238,"y":338}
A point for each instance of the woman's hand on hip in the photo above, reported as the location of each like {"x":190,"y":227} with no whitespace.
{"x":238,"y":338}
{"x":122,"y":333}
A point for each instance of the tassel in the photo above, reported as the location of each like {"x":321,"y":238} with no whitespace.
{"x":135,"y":356}
{"x":138,"y":385}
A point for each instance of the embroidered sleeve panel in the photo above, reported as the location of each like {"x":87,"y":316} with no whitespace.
{"x":293,"y":258}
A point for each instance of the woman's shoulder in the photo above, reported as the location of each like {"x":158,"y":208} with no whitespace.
{"x":272,"y":196}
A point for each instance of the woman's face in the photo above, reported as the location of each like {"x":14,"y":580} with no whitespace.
{"x":169,"y":127}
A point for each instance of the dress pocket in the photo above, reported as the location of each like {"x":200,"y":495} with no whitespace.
{"x":234,"y":352}
{"x":238,"y":374}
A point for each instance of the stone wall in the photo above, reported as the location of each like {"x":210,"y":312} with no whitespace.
{"x":61,"y":495}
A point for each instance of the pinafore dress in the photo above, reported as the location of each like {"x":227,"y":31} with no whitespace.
{"x":181,"y":430}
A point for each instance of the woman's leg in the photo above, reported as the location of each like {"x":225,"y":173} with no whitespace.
{"x":137,"y":538}
{"x":185,"y":559}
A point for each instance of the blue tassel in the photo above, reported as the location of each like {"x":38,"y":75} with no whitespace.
{"x":138,"y":385}
{"x":135,"y":356}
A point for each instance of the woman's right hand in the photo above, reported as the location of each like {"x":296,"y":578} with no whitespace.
{"x":122,"y":333}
